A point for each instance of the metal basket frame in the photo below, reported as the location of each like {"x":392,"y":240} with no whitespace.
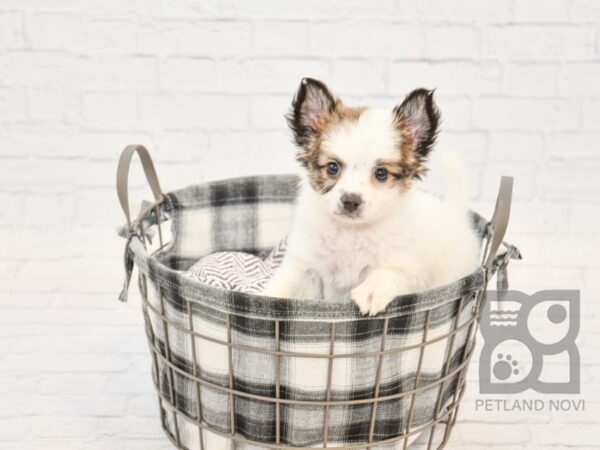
{"x":444,"y":414}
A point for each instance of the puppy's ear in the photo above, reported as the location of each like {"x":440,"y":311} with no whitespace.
{"x":311,"y":107}
{"x":418,"y":118}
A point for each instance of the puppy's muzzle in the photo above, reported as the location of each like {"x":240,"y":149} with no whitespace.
{"x":350,"y":203}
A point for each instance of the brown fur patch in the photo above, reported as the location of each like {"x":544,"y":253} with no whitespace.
{"x":311,"y":154}
{"x":411,"y":164}
{"x":417,"y":120}
{"x":400,"y":171}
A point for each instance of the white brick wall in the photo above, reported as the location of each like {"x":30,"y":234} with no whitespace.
{"x":205,"y":84}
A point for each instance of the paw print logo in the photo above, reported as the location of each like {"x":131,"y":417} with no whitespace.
{"x":505,"y":367}
{"x":526,"y":338}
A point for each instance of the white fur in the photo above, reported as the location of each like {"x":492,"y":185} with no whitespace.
{"x":403,"y":241}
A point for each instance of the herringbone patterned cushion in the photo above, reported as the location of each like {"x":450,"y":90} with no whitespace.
{"x":238,"y":271}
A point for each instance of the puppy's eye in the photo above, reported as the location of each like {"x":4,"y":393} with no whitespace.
{"x":333,"y":168}
{"x":381,"y":174}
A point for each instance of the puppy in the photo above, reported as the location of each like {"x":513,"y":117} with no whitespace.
{"x":361,"y":229}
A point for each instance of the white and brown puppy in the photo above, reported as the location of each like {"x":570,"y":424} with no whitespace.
{"x":361,"y":230}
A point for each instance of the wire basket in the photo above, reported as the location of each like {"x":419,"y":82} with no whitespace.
{"x":242,"y":371}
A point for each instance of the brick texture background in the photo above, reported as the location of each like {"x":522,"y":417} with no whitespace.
{"x":204,"y":85}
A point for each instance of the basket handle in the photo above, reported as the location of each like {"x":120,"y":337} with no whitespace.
{"x":123,"y":177}
{"x":499,"y":221}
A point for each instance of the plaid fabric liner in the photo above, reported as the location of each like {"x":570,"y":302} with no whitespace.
{"x":252,"y":215}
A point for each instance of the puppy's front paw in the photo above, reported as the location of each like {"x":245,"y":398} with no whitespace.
{"x":371,"y":299}
{"x":278,"y":287}
{"x":380,"y":302}
{"x":272,"y":290}
{"x":362,"y":296}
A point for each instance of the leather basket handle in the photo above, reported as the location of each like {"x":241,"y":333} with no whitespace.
{"x":499,"y":221}
{"x":123,"y":177}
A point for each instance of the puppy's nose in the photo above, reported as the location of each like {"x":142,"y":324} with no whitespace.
{"x":351,"y":202}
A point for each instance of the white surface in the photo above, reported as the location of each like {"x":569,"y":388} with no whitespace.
{"x":205,"y":85}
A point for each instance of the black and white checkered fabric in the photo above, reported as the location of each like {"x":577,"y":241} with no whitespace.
{"x":252,"y":215}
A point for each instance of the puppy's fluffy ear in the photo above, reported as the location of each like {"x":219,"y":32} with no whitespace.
{"x":311,"y":107}
{"x":418,"y":118}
